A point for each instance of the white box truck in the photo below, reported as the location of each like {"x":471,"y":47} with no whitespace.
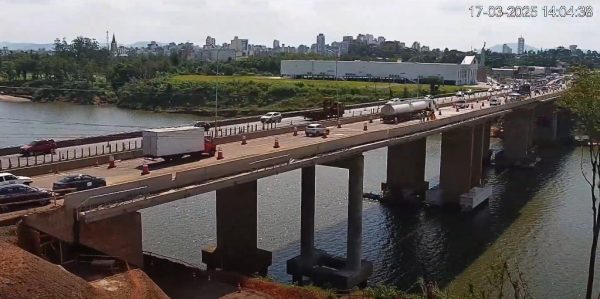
{"x":174,"y":143}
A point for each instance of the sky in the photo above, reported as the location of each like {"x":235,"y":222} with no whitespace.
{"x":436,"y":23}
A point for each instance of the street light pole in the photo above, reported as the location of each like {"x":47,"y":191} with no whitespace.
{"x":217,"y":92}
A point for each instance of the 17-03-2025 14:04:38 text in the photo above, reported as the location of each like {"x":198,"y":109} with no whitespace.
{"x":532,"y":11}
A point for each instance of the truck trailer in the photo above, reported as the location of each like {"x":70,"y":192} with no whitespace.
{"x":407,"y":110}
{"x":175,"y":143}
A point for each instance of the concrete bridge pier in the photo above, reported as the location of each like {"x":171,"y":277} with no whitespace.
{"x":518,"y":136}
{"x":320,"y":267}
{"x":406,"y":171}
{"x":461,"y":169}
{"x":546,"y":128}
{"x":236,"y":248}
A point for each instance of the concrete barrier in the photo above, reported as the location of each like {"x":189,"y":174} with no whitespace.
{"x":74,"y":164}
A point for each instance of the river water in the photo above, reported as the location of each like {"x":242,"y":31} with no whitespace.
{"x":538,"y":219}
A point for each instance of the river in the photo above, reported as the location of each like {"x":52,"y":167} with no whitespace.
{"x":538,"y":219}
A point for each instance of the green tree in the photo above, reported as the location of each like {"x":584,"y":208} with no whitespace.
{"x":583,"y":100}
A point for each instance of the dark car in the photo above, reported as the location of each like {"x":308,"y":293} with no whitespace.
{"x":45,"y":146}
{"x":78,"y":182}
{"x":15,"y":194}
{"x":204,"y":124}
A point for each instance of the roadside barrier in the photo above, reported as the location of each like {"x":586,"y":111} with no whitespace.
{"x":276,"y":145}
{"x":219,"y":153}
{"x":111,"y":162}
{"x":365,"y":127}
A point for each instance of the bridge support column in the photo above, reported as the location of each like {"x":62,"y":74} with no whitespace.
{"x":546,"y":126}
{"x":321,"y":267}
{"x":236,"y":248}
{"x":456,"y":163}
{"x":461,"y":169}
{"x":406,"y":170}
{"x":477,"y":156}
{"x":487,"y":127}
{"x":517,"y":136}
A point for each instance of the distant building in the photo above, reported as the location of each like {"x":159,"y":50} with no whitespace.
{"x":321,"y":44}
{"x":573,"y":47}
{"x":347,"y":38}
{"x":344,"y":47}
{"x":361,"y":38}
{"x":240,"y":46}
{"x":521,"y":46}
{"x":275,"y":44}
{"x":402,"y":45}
{"x":506,"y":49}
{"x":212,"y":54}
{"x":370,"y":39}
{"x":303,"y":49}
{"x":211,"y":42}
{"x":380,"y":40}
{"x":457,"y":74}
{"x":114,"y":48}
{"x":416,"y":45}
{"x":424,"y":48}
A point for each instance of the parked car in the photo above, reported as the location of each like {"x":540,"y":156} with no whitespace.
{"x":79,"y":182}
{"x":461,"y":104}
{"x":204,"y":124}
{"x":15,"y":194}
{"x":44,"y":146}
{"x":428,"y":97}
{"x":460,"y":94}
{"x":495,"y":101}
{"x":470,"y":91}
{"x":315,"y":130}
{"x":9,"y":178}
{"x":271,"y":117}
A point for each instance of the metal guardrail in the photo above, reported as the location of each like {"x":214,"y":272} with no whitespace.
{"x":66,"y":154}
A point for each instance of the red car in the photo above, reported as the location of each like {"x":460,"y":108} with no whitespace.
{"x":45,"y":146}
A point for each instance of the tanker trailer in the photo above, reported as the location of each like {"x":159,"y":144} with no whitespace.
{"x":406,"y":111}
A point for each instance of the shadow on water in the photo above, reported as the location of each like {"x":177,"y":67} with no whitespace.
{"x":407,"y":244}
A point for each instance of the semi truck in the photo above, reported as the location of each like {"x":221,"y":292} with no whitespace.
{"x":407,"y":110}
{"x":331,"y":109}
{"x":175,"y":143}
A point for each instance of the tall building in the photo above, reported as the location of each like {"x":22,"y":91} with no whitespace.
{"x":239,"y":45}
{"x":114,"y":48}
{"x":416,"y":45}
{"x":303,"y":49}
{"x":321,"y":44}
{"x":506,"y":49}
{"x":370,"y":39}
{"x":572,"y":47}
{"x":347,"y":38}
{"x":275,"y":44}
{"x":211,"y":42}
{"x":380,"y":40}
{"x":521,"y":46}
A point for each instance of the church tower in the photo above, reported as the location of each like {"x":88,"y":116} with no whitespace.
{"x":113,"y":46}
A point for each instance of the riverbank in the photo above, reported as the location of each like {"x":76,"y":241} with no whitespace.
{"x":13,"y":99}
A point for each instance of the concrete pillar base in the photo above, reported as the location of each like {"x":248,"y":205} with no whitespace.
{"x":325,"y":269}
{"x":468,"y":201}
{"x":410,"y":195}
{"x":250,"y":262}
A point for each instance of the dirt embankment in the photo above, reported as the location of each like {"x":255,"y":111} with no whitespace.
{"x":24,"y":275}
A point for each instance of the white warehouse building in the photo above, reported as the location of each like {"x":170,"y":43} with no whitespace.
{"x":464,"y":73}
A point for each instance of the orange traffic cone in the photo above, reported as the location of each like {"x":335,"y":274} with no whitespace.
{"x":243,"y":139}
{"x":295,"y":131}
{"x":97,"y":163}
{"x":326,"y":133}
{"x":370,"y":120}
{"x":276,"y":145}
{"x":145,"y":169}
{"x":365,"y":127}
{"x":219,"y":154}
{"x":339,"y":124}
{"x":111,"y":162}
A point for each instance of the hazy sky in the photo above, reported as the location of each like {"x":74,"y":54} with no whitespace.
{"x":437,"y":23}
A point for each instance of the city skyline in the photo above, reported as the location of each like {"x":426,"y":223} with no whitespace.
{"x":187,"y":20}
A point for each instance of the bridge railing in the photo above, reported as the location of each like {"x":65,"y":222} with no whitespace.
{"x":15,"y":162}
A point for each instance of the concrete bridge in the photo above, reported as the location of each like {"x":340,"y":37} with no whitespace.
{"x":106,"y":219}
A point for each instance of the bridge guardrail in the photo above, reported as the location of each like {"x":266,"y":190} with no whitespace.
{"x":64,"y":155}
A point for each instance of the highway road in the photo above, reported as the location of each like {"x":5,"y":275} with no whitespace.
{"x":129,"y":170}
{"x":11,"y":161}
